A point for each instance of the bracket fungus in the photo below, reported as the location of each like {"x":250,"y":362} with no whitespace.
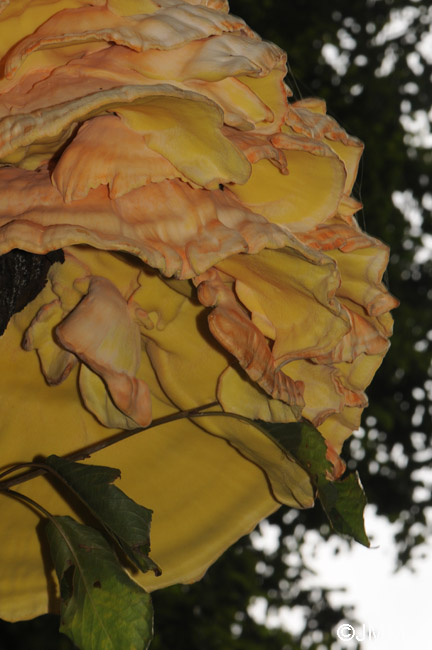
{"x":211,"y":255}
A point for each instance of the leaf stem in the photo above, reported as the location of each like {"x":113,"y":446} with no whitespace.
{"x":29,"y":501}
{"x":38,"y":469}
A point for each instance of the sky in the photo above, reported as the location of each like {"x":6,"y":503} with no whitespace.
{"x":392,"y":609}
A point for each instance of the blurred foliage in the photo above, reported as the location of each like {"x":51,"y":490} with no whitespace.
{"x":40,"y":634}
{"x":376,"y":82}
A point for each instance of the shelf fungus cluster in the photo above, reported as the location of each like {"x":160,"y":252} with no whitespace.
{"x":207,"y":252}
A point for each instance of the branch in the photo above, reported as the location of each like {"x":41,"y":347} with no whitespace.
{"x":38,"y":469}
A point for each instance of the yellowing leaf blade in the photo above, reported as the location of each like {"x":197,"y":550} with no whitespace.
{"x":101,"y":607}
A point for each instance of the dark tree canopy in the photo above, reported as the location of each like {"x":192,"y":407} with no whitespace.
{"x":376,"y":83}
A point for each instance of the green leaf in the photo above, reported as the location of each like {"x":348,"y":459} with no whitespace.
{"x":123,"y":519}
{"x":101,"y":607}
{"x":304,"y":443}
{"x":344,"y":503}
{"x":343,"y":500}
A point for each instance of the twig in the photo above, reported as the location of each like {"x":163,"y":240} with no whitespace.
{"x":38,"y":469}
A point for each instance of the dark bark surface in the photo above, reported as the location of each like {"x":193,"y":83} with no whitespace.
{"x":22,"y":276}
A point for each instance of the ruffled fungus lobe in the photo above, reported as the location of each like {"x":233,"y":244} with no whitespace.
{"x":211,"y":255}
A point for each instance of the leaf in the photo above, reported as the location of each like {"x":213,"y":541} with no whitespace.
{"x":304,"y":443}
{"x":343,"y":500}
{"x":124,"y":520}
{"x":101,"y":607}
